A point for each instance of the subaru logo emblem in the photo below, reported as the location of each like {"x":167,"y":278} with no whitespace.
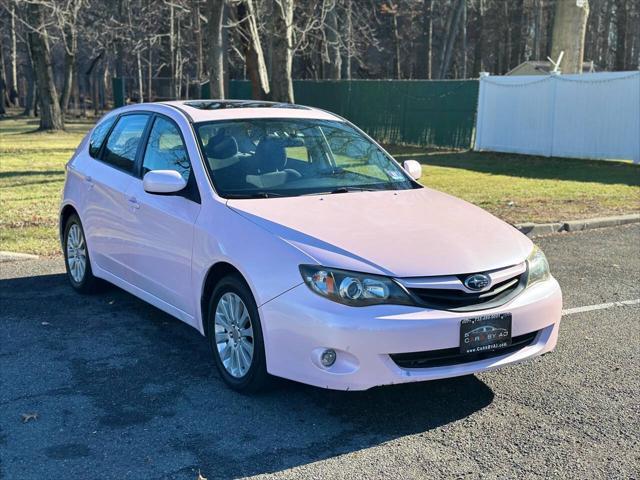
{"x":477,"y":281}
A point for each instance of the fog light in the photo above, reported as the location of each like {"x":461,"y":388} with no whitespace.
{"x":328,"y":357}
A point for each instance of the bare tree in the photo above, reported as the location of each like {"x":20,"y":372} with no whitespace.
{"x":281,"y":79}
{"x":569,"y":29}
{"x":68,"y":22}
{"x":50,"y":113}
{"x":216,"y":10}
{"x":453,"y":23}
{"x":332,"y":58}
{"x":391,"y":9}
{"x":13,"y":89}
{"x":4,"y":98}
{"x":253,"y":54}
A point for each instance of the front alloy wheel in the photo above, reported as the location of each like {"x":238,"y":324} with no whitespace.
{"x":235,"y":336}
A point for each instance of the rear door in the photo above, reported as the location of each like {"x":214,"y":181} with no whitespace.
{"x":109,"y":216}
{"x":163,"y":224}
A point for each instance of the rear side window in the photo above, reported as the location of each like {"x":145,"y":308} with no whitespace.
{"x":98,"y":135}
{"x":166,"y":150}
{"x":124,"y":140}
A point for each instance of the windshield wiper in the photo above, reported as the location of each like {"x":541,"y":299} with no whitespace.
{"x":253,"y":195}
{"x":345,"y":190}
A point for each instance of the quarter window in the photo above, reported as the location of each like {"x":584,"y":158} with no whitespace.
{"x":166,"y":150}
{"x":98,"y":135}
{"x":123,"y":142}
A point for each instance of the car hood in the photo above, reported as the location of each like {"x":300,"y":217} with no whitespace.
{"x":402,"y":233}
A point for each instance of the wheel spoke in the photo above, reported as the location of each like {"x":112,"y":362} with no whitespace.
{"x":235,"y":365}
{"x":247,"y":332}
{"x":227,"y":310}
{"x":222,"y":320}
{"x":246,"y":351}
{"x":225,"y":352}
{"x":222,"y":337}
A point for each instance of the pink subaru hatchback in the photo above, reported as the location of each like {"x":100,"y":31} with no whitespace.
{"x":300,"y":248}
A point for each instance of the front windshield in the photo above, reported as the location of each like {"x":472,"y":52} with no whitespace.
{"x":289,"y":157}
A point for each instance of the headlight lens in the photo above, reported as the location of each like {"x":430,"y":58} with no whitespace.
{"x":352,"y":288}
{"x":538,"y":267}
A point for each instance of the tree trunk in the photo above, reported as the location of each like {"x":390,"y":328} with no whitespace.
{"x":50,"y":114}
{"x":537,"y":27}
{"x":4,"y":97}
{"x":349,"y":39}
{"x":140,"y":76}
{"x":517,"y":43}
{"x":396,"y":42}
{"x":453,"y":24}
{"x":478,"y":55}
{"x":254,"y":58}
{"x":464,"y":40}
{"x":281,"y":81}
{"x":569,"y":29}
{"x":427,"y":17}
{"x":30,"y":98}
{"x":621,"y":35}
{"x":14,"y":90}
{"x":71,"y":47}
{"x":216,"y":48}
{"x":172,"y":51}
{"x":119,"y":60}
{"x":150,"y":71}
{"x":333,"y":64}
{"x":70,"y":41}
{"x":197,"y":34}
{"x":178,"y":63}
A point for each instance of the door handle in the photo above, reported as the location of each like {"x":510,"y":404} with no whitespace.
{"x":134,"y":203}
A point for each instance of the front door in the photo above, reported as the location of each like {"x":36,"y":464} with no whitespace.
{"x":164,"y":224}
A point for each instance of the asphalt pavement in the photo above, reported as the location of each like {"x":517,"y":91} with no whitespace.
{"x":115,"y":389}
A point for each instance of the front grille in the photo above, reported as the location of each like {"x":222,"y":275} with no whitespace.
{"x":452,"y":356}
{"x":460,"y":300}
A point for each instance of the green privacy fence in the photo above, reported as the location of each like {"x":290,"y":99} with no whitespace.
{"x":437,"y":113}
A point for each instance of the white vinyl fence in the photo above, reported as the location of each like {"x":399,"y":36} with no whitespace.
{"x":593,"y":115}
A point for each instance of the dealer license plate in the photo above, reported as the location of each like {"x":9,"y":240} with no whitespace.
{"x":485,"y":333}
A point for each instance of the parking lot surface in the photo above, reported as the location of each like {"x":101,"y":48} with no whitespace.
{"x":121,"y":390}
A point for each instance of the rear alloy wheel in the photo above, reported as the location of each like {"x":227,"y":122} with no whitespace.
{"x":236,"y":336}
{"x":76,"y":256}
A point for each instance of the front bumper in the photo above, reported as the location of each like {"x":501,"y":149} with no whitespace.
{"x":298,"y":325}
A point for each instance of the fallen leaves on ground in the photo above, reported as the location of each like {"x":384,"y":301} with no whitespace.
{"x":26,"y":417}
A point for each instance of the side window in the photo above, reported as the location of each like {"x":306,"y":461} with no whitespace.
{"x":98,"y":135}
{"x":165,"y":150}
{"x":123,"y":142}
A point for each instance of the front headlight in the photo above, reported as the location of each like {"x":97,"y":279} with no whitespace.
{"x":538,"y":267}
{"x":352,"y":288}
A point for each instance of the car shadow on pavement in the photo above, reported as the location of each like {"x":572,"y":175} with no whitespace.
{"x":135,"y":392}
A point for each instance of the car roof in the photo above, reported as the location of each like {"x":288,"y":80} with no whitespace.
{"x":210,"y":110}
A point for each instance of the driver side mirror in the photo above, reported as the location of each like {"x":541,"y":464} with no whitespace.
{"x":413,"y":168}
{"x":163,"y":181}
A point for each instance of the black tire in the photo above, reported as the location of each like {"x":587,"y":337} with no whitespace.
{"x":87,"y":283}
{"x":256,"y":377}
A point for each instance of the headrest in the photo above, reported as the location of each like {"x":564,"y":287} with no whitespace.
{"x":221,"y":146}
{"x":271,"y":155}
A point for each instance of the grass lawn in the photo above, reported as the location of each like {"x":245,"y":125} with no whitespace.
{"x":514,"y":187}
{"x":524,"y":188}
